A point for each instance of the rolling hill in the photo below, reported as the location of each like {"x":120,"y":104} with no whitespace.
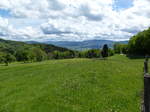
{"x":12,"y":46}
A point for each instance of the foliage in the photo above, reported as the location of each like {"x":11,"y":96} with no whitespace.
{"x":140,"y":43}
{"x":61,"y":55}
{"x":111,"y":52}
{"x":8,"y":58}
{"x":23,"y":55}
{"x":39,"y":54}
{"x":2,"y":57}
{"x":120,"y":48}
{"x":93,"y":53}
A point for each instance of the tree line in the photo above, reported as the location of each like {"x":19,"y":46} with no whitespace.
{"x":11,"y":51}
{"x":33,"y":55}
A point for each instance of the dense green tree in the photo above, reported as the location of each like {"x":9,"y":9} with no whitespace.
{"x":8,"y":58}
{"x":23,"y":55}
{"x":39,"y":54}
{"x":140,"y":43}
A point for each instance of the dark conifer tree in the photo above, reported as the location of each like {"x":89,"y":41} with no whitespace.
{"x":105,"y":51}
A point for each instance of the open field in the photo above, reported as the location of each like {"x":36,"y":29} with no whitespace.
{"x":72,"y":85}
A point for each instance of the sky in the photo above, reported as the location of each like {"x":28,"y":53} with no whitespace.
{"x":73,"y":20}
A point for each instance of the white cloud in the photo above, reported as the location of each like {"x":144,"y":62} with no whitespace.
{"x":4,"y":26}
{"x":3,"y":22}
{"x":8,"y":31}
{"x":72,"y":19}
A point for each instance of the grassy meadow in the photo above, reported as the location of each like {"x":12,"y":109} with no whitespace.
{"x":72,"y":85}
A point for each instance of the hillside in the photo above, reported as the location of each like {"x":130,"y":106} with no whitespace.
{"x":16,"y":45}
{"x":11,"y":51}
{"x":73,"y":85}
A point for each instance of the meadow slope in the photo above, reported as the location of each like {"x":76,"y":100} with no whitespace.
{"x":72,"y":85}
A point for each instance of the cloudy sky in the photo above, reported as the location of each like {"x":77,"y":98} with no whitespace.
{"x":73,"y":20}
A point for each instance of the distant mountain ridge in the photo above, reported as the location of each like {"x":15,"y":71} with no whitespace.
{"x":60,"y":45}
{"x":83,"y":45}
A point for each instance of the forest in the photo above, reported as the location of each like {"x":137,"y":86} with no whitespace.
{"x":11,"y":51}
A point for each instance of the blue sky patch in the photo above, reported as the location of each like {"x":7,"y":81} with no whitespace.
{"x":122,"y":4}
{"x":5,"y":13}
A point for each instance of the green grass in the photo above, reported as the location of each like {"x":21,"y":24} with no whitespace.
{"x":73,"y":85}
